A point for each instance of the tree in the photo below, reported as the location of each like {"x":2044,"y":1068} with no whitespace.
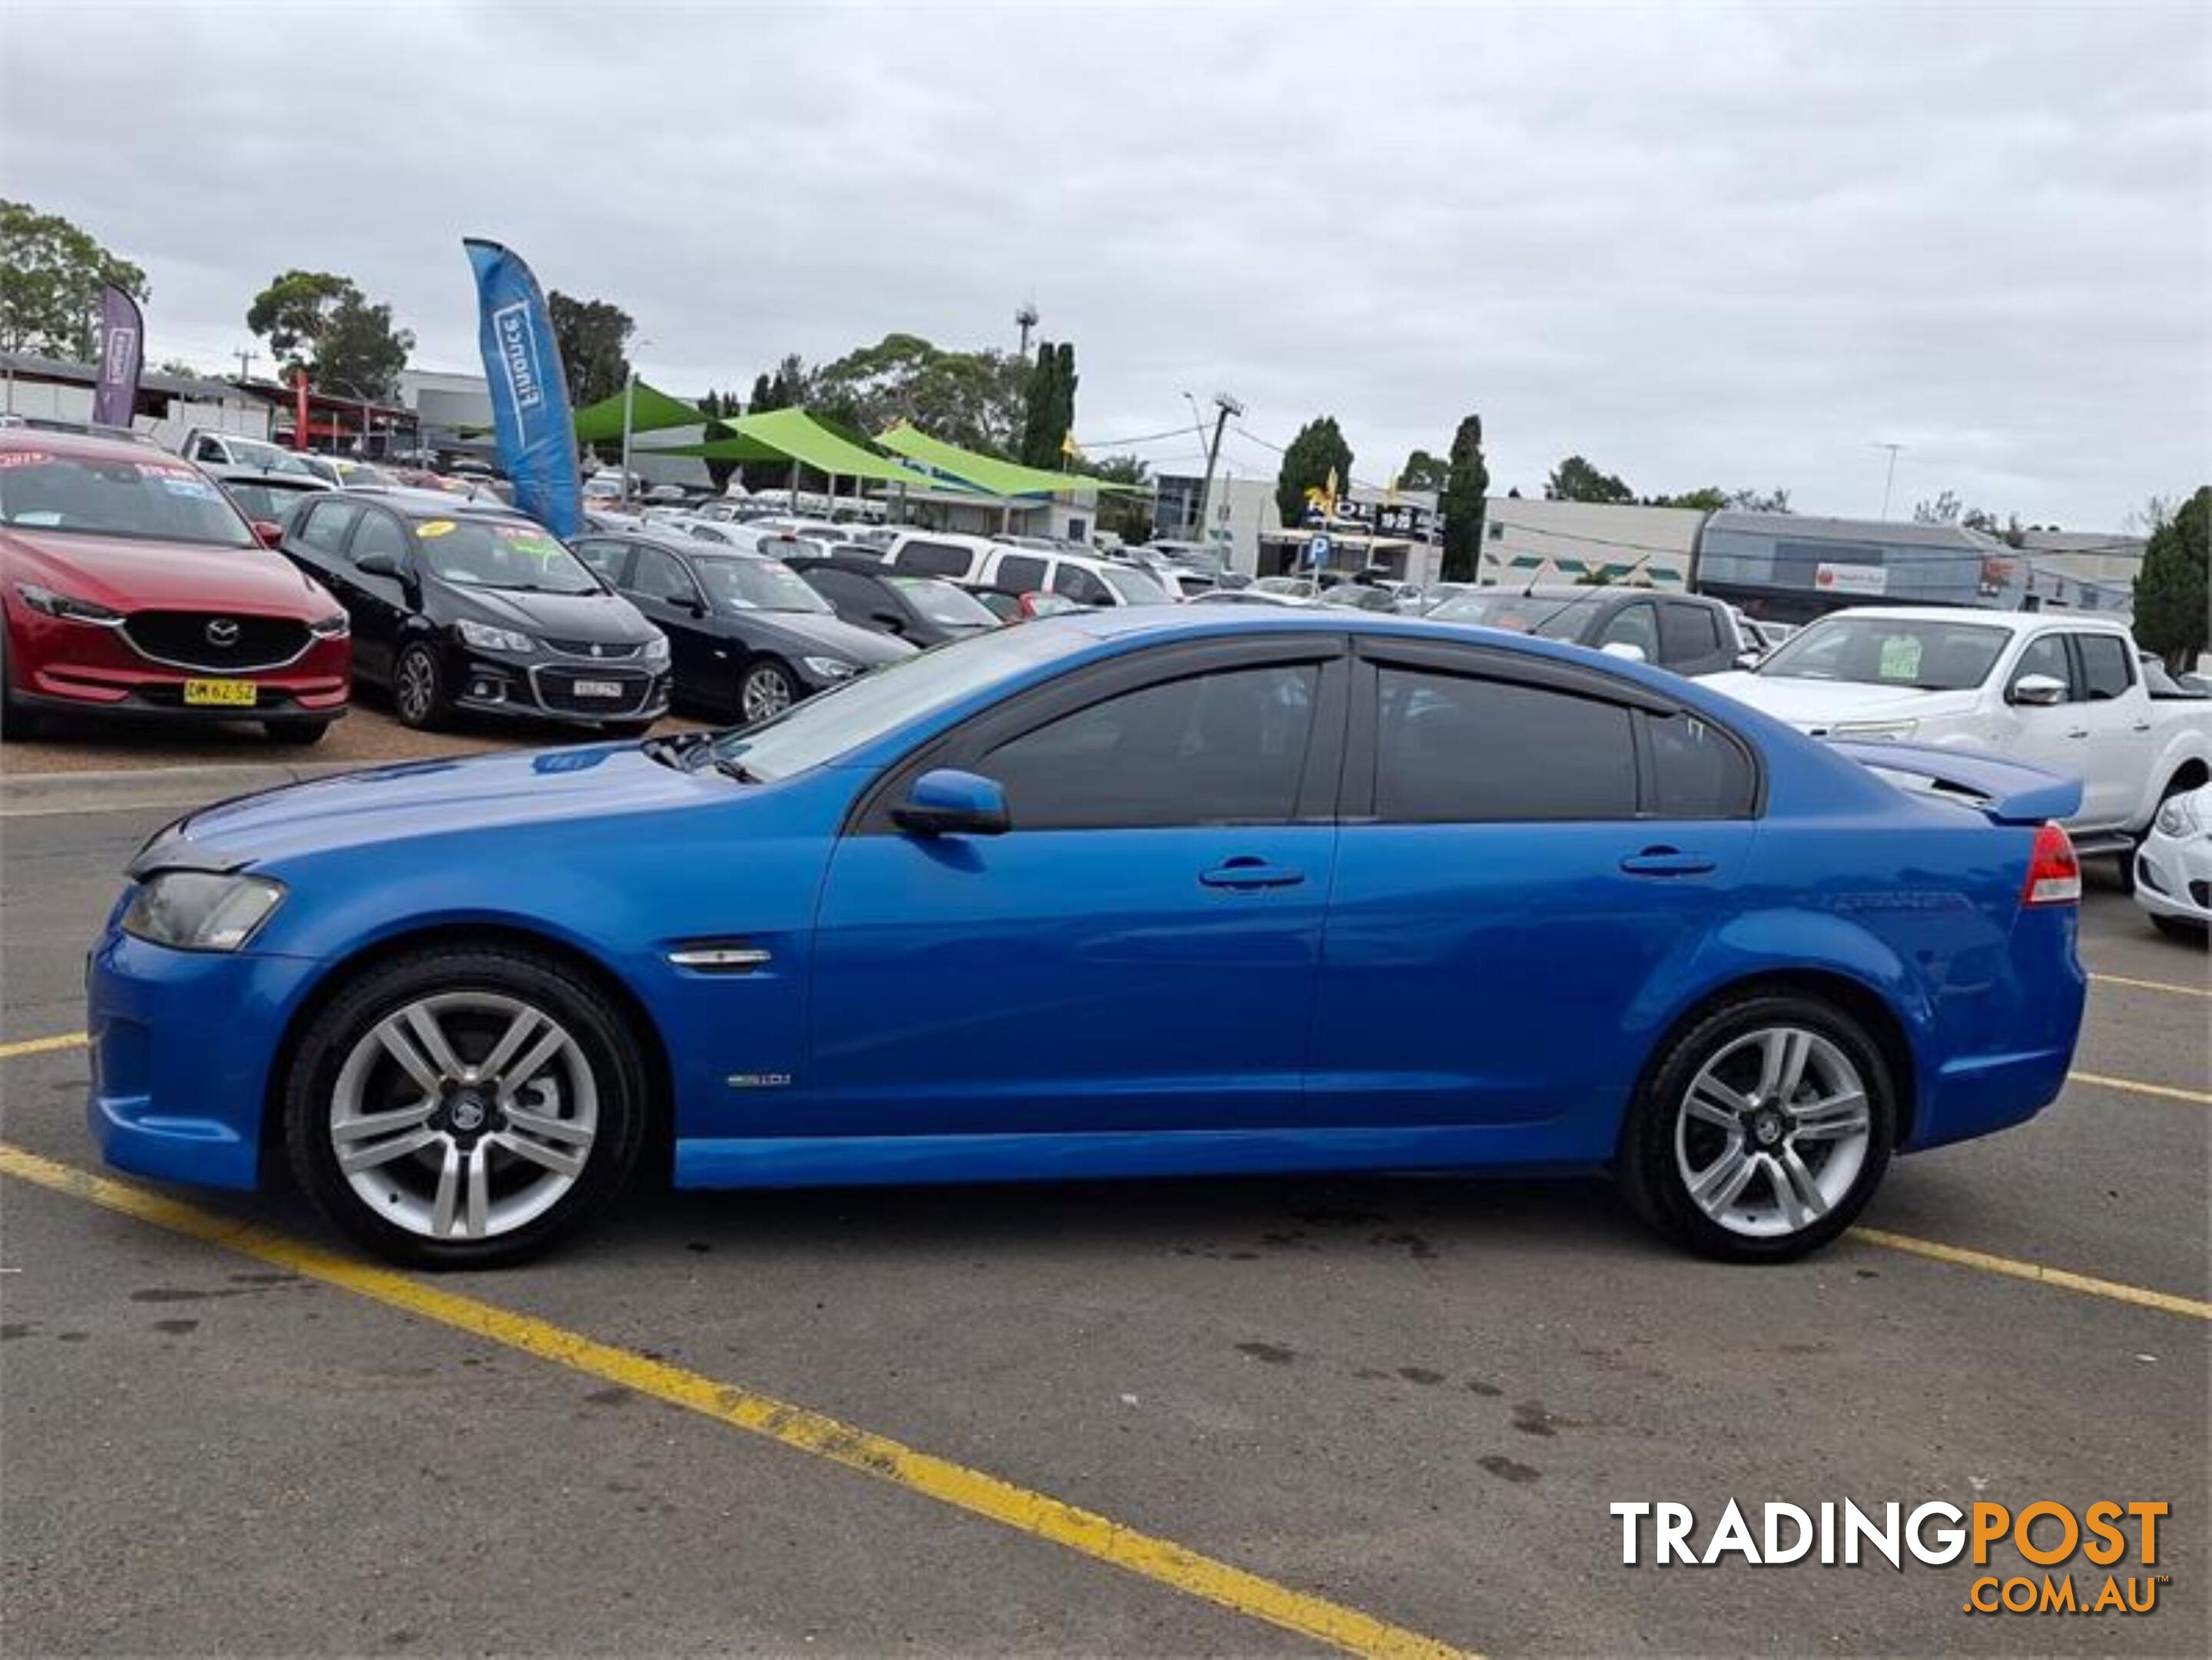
{"x":1466,"y":487}
{"x":593,"y":338}
{"x":1576,"y":480}
{"x":1318,"y":450}
{"x":2174,"y":587}
{"x":1424,"y":472}
{"x":360,"y":353}
{"x":294,"y":313}
{"x":50,"y":274}
{"x":972,"y":398}
{"x":1710,"y":499}
{"x":1049,"y":407}
{"x":1126,"y":514}
{"x":1943,"y":510}
{"x":1773,"y":501}
{"x":714,"y":406}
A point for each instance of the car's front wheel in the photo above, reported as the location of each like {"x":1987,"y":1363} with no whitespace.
{"x":463,"y":1108}
{"x":766,"y":690}
{"x":1763,"y":1131}
{"x":418,"y":689}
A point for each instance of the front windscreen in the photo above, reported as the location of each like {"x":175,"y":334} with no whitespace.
{"x":757,"y":585}
{"x":155,"y":499}
{"x":1882,"y":651}
{"x":501,"y":553}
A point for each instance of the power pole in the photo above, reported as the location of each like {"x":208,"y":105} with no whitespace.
{"x":1889,"y":477}
{"x":1224,"y":407}
{"x":245,"y":360}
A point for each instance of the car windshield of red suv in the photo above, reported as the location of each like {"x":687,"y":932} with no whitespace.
{"x":153,"y":499}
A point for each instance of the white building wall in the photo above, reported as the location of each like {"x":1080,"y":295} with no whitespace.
{"x":1525,"y":540}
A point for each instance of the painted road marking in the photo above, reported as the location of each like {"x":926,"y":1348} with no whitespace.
{"x":2168,"y":1090}
{"x":2088,"y":1286}
{"x":2151,"y":985}
{"x":68,"y":1040}
{"x":1091,"y":1534}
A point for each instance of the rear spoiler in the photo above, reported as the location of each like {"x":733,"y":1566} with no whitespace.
{"x":2009,"y":792}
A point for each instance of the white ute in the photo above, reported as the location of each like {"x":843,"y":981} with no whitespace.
{"x":2059,"y":690}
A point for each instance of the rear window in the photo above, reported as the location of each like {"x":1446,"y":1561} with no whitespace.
{"x":156,"y":498}
{"x":1450,"y":749}
{"x":934,"y":558}
{"x":1697,"y":771}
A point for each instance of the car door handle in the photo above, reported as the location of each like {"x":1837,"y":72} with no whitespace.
{"x":2078,"y":731}
{"x":1665,"y":861}
{"x":2139,"y":726}
{"x":1249,"y":872}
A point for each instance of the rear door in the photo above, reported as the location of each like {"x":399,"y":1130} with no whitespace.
{"x":1527,"y":847}
{"x":2116,"y":710}
{"x":661,"y":587}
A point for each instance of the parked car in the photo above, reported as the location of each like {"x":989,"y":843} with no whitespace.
{"x":2060,"y":691}
{"x":920,"y":610}
{"x":265,"y":498}
{"x":1687,"y":633}
{"x":1011,"y":605}
{"x":210,"y":448}
{"x":2174,"y":867}
{"x":749,"y":637}
{"x":978,"y":561}
{"x":133,"y":586}
{"x":964,"y":919}
{"x":1253,"y":595}
{"x":466,"y":605}
{"x":1360,"y":596}
{"x":2160,"y":684}
{"x":1287,"y":590}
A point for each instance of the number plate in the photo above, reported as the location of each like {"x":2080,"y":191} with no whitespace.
{"x":599,"y":689}
{"x":222,"y":694}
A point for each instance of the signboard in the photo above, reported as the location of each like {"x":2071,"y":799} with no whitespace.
{"x":1317,"y":551}
{"x":1851,"y":578}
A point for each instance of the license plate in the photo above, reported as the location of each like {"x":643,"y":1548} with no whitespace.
{"x":599,"y":688}
{"x":223,"y":694}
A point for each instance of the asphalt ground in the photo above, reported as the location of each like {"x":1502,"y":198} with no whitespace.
{"x":1368,"y":1413}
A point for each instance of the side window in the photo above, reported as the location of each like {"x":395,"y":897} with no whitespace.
{"x":2104,"y":665}
{"x":659,"y":575}
{"x":1634,"y":625}
{"x":935,"y":559}
{"x":1697,"y":771}
{"x":1687,"y":633}
{"x":1021,"y":572}
{"x":379,"y":532}
{"x":324,"y":529}
{"x":2047,"y":655}
{"x":853,"y":597}
{"x":1457,"y":750}
{"x":1215,"y":749}
{"x":603,"y":556}
{"x":1079,"y":585}
{"x":209,"y":449}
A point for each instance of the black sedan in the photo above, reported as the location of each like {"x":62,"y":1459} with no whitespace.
{"x":469,"y":605}
{"x":750,"y":638}
{"x":923,"y":610}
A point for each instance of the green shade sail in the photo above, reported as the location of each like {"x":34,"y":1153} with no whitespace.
{"x":986,"y":472}
{"x":651,"y":411}
{"x":795,"y":435}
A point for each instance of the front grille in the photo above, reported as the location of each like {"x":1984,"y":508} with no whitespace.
{"x":239,"y":645}
{"x":555,"y":688}
{"x":598,"y":649}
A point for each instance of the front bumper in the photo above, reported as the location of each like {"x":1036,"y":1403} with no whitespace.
{"x":182,"y":1044}
{"x":542,"y":688}
{"x":2174,"y":877}
{"x":84,"y":669}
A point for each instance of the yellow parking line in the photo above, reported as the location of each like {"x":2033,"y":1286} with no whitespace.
{"x":2168,"y":1090}
{"x":68,"y":1040}
{"x":2164,"y":1302}
{"x":1086,"y":1531}
{"x":2151,"y":985}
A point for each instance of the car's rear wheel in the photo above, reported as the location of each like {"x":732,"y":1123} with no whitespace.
{"x":766,"y":690}
{"x":294,"y":732}
{"x":462,"y":1108}
{"x":1763,"y":1131}
{"x":418,"y":689}
{"x":2181,"y":928}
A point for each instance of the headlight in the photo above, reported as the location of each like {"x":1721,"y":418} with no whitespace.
{"x":2177,"y":816}
{"x":482,"y":636}
{"x":656,"y":651}
{"x":1891,"y":731}
{"x":60,"y":604}
{"x":201,"y":911}
{"x":830,"y":668}
{"x":331,"y":627}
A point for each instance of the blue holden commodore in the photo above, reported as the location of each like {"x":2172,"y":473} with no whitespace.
{"x":1146,"y":892}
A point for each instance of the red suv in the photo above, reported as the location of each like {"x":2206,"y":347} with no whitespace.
{"x":132,"y":587}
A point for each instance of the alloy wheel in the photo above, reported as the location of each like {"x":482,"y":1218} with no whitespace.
{"x":463,"y":1115}
{"x":417,"y":690}
{"x":766,"y":691}
{"x":1772,"y":1132}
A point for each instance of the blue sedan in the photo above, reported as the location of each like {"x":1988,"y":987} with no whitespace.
{"x":1133,"y":893}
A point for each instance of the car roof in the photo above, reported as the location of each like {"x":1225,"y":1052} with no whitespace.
{"x":687,"y":547}
{"x":2016,"y":621}
{"x":90,"y":446}
{"x":411,"y":503}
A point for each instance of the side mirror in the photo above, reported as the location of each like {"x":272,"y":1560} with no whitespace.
{"x":1748,"y":658}
{"x":948,"y":802}
{"x":377,"y":564}
{"x":268,"y":532}
{"x":2037,"y":690}
{"x":1627,"y":648}
{"x":889,"y":620}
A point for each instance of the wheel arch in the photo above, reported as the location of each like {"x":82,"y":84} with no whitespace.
{"x":1863,"y":1002}
{"x":652,"y":1045}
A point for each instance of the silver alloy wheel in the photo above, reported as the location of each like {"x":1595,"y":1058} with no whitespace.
{"x":1772,"y":1132}
{"x":766,"y":691}
{"x":418,"y":687}
{"x":463,"y":1115}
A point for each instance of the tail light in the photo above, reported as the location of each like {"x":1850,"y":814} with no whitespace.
{"x":2054,"y":874}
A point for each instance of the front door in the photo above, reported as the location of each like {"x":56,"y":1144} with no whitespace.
{"x":1137,"y":953}
{"x":1517,"y":865}
{"x":660,"y":587}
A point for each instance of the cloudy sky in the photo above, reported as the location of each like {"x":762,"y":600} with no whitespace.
{"x":1710,"y":244}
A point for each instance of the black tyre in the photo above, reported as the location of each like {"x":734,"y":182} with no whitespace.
{"x":15,"y":720}
{"x":2181,"y":928}
{"x":418,"y":689}
{"x":1763,"y":1130}
{"x":294,"y":732}
{"x":463,"y":1108}
{"x":765,"y":689}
